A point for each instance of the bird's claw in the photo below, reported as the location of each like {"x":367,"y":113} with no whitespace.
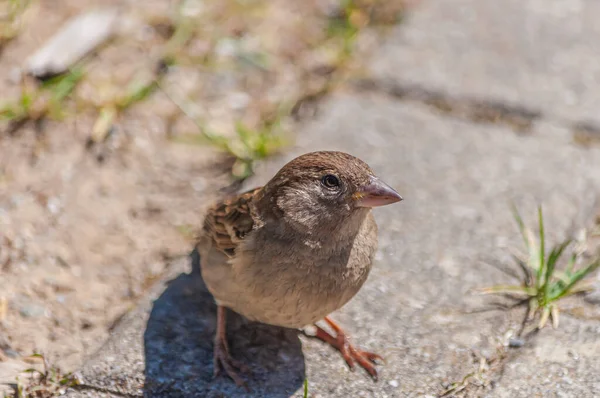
{"x":231,"y":366}
{"x":352,"y":355}
{"x":367,"y":360}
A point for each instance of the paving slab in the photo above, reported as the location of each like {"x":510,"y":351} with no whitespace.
{"x":538,"y":54}
{"x":457,"y":179}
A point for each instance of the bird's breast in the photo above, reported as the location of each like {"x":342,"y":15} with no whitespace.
{"x":294,"y":285}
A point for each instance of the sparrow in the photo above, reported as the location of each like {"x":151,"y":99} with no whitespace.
{"x":295,"y":250}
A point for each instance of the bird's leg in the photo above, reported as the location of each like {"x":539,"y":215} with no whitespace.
{"x":351,"y":354}
{"x":222,"y":358}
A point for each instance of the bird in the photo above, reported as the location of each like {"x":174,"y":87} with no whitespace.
{"x":293,"y":251}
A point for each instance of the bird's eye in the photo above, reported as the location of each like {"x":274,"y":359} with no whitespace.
{"x":330,"y":181}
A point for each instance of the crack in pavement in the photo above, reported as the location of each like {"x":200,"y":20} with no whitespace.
{"x":520,"y":119}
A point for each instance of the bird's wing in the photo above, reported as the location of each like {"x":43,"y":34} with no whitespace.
{"x":228,"y":222}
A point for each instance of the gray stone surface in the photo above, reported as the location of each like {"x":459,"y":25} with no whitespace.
{"x":457,"y":179}
{"x":540,"y":54}
{"x":558,"y":363}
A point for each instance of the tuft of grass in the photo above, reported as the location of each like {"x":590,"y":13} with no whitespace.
{"x":49,"y":382}
{"x":481,"y":377}
{"x":356,"y":15}
{"x":543,"y":283}
{"x":305,"y":395}
{"x":49,"y":100}
{"x":476,"y":378}
{"x":44,"y":100}
{"x":247,"y":146}
{"x":137,"y":91}
{"x":346,"y":25}
{"x":253,"y":145}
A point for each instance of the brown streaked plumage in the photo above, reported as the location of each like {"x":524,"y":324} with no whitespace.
{"x":295,"y":250}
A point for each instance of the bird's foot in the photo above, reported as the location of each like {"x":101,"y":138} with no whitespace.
{"x":222,"y":359}
{"x":231,"y":366}
{"x":352,"y":355}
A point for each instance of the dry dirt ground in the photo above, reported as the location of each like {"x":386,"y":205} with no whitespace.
{"x":86,"y":228}
{"x":81,"y":239}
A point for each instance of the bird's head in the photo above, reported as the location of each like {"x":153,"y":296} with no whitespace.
{"x":324,"y":191}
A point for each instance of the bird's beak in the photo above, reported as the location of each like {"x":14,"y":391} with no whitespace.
{"x":376,"y":193}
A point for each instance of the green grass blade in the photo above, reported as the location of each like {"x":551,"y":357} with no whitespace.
{"x":61,"y":86}
{"x":67,"y":85}
{"x":136,"y":92}
{"x":529,"y":241}
{"x":542,"y":271}
{"x":577,"y":276}
{"x":26,"y":101}
{"x":582,"y":287}
{"x":562,"y":277}
{"x":500,"y":289}
{"x":305,"y":395}
{"x":521,"y":225}
{"x":555,"y":254}
{"x":244,"y":133}
{"x":571,"y":264}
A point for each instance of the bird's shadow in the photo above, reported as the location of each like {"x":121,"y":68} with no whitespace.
{"x":178,"y":345}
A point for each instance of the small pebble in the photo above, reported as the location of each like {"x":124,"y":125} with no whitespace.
{"x":9,"y":352}
{"x":567,"y":380}
{"x":393,"y":383}
{"x":86,"y":324}
{"x":54,"y":205}
{"x":199,"y":184}
{"x":310,"y":330}
{"x":32,"y":311}
{"x":516,"y":343}
{"x":74,"y":39}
